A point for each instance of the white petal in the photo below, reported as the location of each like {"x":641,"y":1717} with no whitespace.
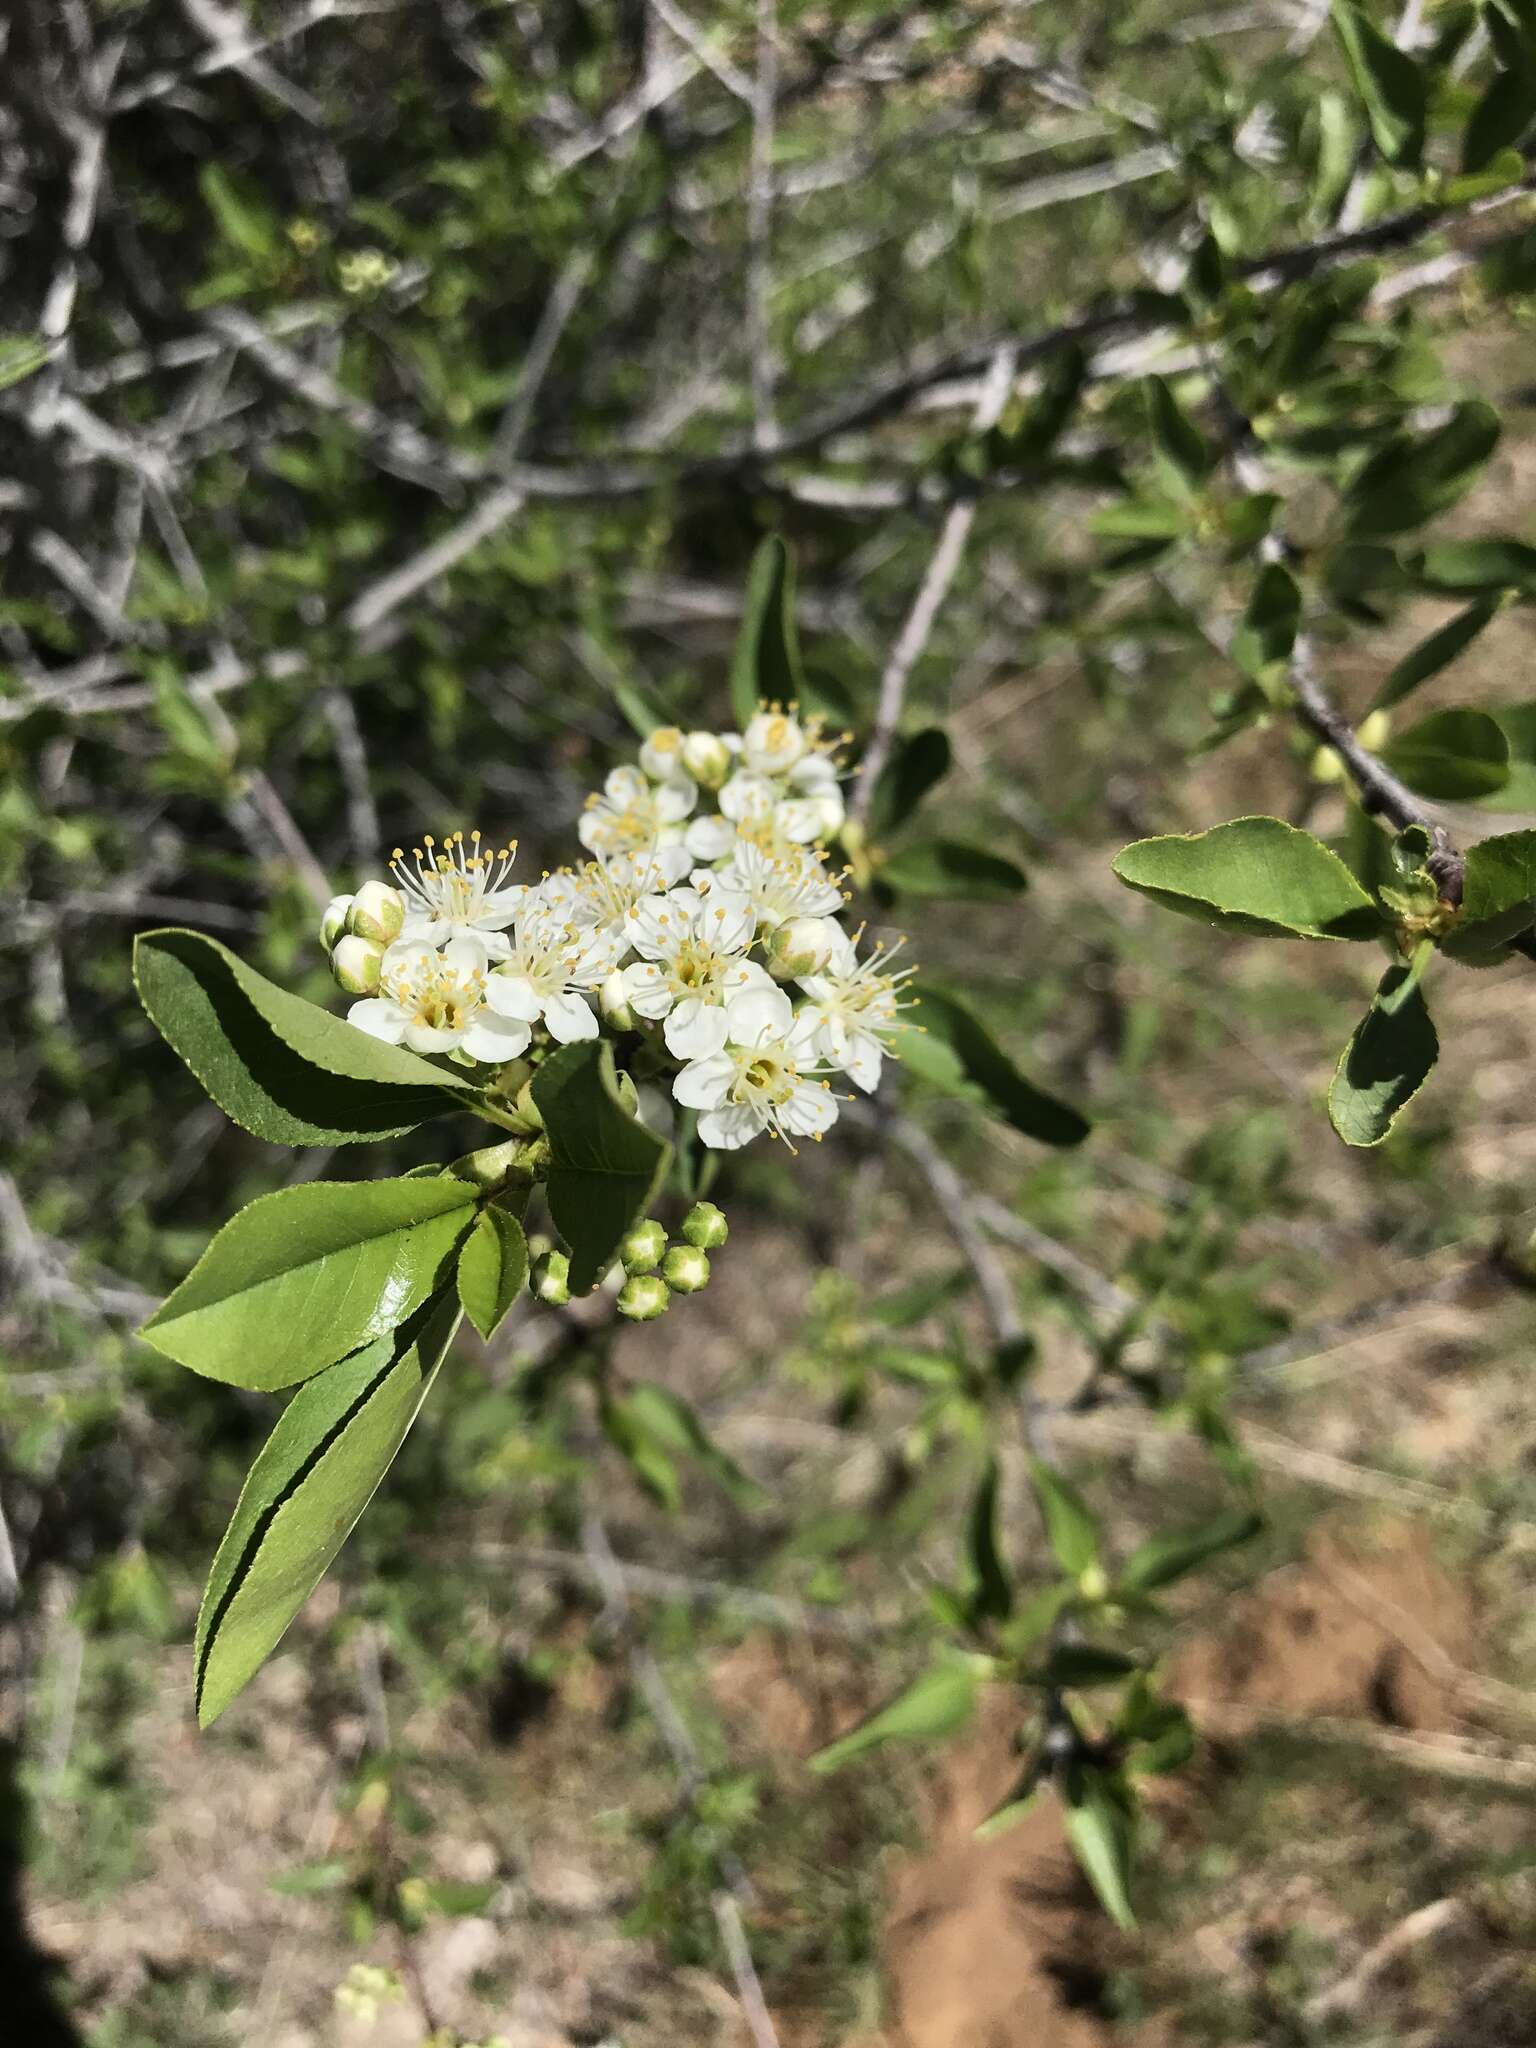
{"x":569,"y":1018}
{"x":862,"y":1061}
{"x":591,"y":830}
{"x":695,"y":1029}
{"x":675,"y":799}
{"x":431,"y":1038}
{"x":809,"y":1111}
{"x":513,"y":995}
{"x":746,"y":796}
{"x":495,"y":1039}
{"x":728,"y":1129}
{"x":625,"y":787}
{"x":465,"y":956}
{"x":705,"y":1084}
{"x":710,"y":838}
{"x":799,"y":819}
{"x":421,"y":928}
{"x":380,"y":1018}
{"x":759,"y":1015}
{"x":649,"y":991}
{"x":409,"y":957}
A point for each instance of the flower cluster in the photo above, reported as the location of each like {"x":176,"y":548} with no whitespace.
{"x":707,"y":919}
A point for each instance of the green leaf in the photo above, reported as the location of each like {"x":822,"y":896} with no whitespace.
{"x":606,"y":1168}
{"x":670,"y":1425}
{"x":1261,"y":646}
{"x":1140,"y":519}
{"x":949,"y":1046}
{"x":991,"y":1593}
{"x":1181,"y":447}
{"x":766,"y":665}
{"x":240,"y":216}
{"x":1451,"y":754}
{"x":303,"y":1276}
{"x":1499,"y":120}
{"x":1071,"y":1526}
{"x":1498,"y":899}
{"x":280,"y":1067}
{"x":312,"y":1479}
{"x":1436,"y":653}
{"x":949,"y":868}
{"x":1169,"y":1556}
{"x":22,"y":355}
{"x":1390,"y":84}
{"x":1385,"y":1064}
{"x":1415,"y":476}
{"x":1255,"y":875}
{"x":1079,"y":1665}
{"x":1456,"y":566}
{"x":493,"y":1268}
{"x":934,"y":1705}
{"x":920,"y":760}
{"x":1102,"y":1834}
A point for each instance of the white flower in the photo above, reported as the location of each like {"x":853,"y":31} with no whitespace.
{"x":747,"y":796}
{"x":551,"y":963}
{"x":661,"y":754}
{"x":811,"y":803}
{"x":760,"y":1080}
{"x":710,"y":837}
{"x":692,"y":948}
{"x":633,"y":815}
{"x":600,"y":894}
{"x":854,"y":1008}
{"x":434,"y":1001}
{"x":773,"y":742}
{"x":780,"y":878}
{"x":458,"y":891}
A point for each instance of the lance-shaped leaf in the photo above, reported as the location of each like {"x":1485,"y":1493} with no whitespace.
{"x":1415,"y":476}
{"x":493,"y":1268}
{"x":1452,"y":754}
{"x":1183,"y":451}
{"x":312,"y":1479}
{"x":303,"y":1276}
{"x":950,"y":868}
{"x":1256,"y":875}
{"x":1436,"y":653}
{"x":23,"y":355}
{"x":934,"y":1705}
{"x":920,"y":760}
{"x":1262,"y":644}
{"x":991,"y":1589}
{"x":1389,"y":82}
{"x":1071,"y":1526}
{"x":1386,"y":1062}
{"x":605,"y":1166}
{"x":1175,"y":1552}
{"x":277,"y":1065}
{"x":1100,"y":1826}
{"x":766,"y":665}
{"x":1467,"y":565}
{"x":950,"y":1048}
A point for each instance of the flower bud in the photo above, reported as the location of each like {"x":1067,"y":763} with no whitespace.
{"x":773,"y":742}
{"x":377,"y":913}
{"x":705,"y":1227}
{"x":355,"y":963}
{"x":1374,"y":730}
{"x":661,"y":752}
{"x":642,"y":1298}
{"x":334,"y":922}
{"x":641,"y":1248}
{"x":613,"y":1002}
{"x":549,"y":1278}
{"x":804,"y":945}
{"x":707,"y":759}
{"x":685,"y":1269}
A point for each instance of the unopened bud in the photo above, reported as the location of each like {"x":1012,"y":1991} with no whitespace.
{"x":802,"y":946}
{"x":334,"y":922}
{"x":1374,"y":731}
{"x":685,"y":1269}
{"x":705,"y":1227}
{"x":661,"y":753}
{"x":549,"y":1278}
{"x":613,"y":1001}
{"x":1092,"y":1582}
{"x":377,"y":913}
{"x":641,"y":1248}
{"x":707,"y":759}
{"x":355,"y":963}
{"x":642,"y":1298}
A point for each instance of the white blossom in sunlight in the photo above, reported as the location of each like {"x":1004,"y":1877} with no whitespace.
{"x":780,"y":878}
{"x":631,"y":814}
{"x":765,"y":1077}
{"x":854,"y":1008}
{"x":692,"y":964}
{"x":773,"y":742}
{"x":458,"y":890}
{"x":434,"y":1000}
{"x":552,"y":967}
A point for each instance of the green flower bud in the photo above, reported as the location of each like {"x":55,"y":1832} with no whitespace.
{"x":334,"y":922}
{"x":377,"y":913}
{"x":685,"y":1269}
{"x":705,"y":1227}
{"x":550,"y":1278}
{"x":642,"y":1298}
{"x":802,"y":946}
{"x":707,"y":759}
{"x":355,"y":963}
{"x":613,"y":1002}
{"x":642,"y":1248}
